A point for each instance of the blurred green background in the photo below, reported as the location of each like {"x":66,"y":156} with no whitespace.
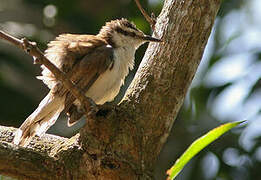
{"x":226,"y":87}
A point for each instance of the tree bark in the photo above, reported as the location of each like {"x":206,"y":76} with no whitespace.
{"x":125,"y":142}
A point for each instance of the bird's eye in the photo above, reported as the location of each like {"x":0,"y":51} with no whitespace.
{"x":126,"y":33}
{"x":119,"y":30}
{"x":131,"y":26}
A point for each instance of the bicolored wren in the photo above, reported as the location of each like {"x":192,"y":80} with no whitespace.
{"x":98,"y":64}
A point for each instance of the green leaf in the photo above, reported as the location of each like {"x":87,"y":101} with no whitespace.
{"x":197,"y":146}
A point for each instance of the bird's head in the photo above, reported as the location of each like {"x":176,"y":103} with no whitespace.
{"x":122,"y":33}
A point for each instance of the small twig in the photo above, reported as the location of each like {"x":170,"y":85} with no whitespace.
{"x":151,"y":19}
{"x":11,"y":39}
{"x":39,"y":58}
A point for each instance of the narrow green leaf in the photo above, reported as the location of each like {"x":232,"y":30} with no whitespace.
{"x":197,"y":146}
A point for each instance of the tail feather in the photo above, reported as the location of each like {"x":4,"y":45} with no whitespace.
{"x":40,"y":120}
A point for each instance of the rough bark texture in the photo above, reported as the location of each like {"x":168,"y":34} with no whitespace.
{"x":125,"y":142}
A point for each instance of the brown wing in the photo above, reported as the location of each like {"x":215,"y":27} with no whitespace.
{"x":82,"y":58}
{"x":85,"y":73}
{"x":66,"y":51}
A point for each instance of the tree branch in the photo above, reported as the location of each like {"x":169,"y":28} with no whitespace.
{"x":151,"y":19}
{"x":167,"y":69}
{"x":45,"y":158}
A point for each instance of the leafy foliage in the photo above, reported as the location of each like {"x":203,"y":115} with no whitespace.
{"x":197,"y":146}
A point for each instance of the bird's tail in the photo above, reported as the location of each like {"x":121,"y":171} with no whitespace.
{"x":40,"y":120}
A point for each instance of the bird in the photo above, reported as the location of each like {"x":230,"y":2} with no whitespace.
{"x":97,"y":64}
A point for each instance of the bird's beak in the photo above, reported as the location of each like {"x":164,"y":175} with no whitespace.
{"x":151,"y":39}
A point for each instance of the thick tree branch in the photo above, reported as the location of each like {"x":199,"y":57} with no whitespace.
{"x":167,"y":69}
{"x":125,"y":143}
{"x":44,"y":159}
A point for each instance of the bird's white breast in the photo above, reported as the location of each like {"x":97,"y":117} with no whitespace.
{"x":108,"y":84}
